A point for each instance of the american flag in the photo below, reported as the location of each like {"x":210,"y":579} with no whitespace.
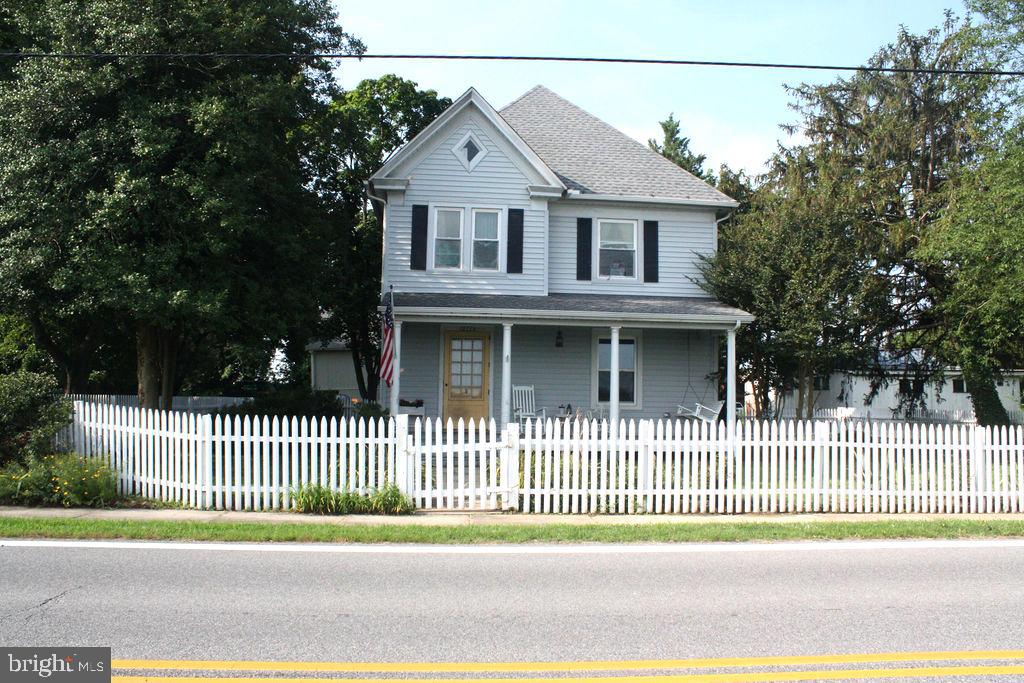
{"x":387,"y":348}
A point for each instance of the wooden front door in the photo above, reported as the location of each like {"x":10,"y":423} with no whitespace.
{"x":467,"y":366}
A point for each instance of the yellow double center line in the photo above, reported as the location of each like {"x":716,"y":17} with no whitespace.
{"x":604,"y":666}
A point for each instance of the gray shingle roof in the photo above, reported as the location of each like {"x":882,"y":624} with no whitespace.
{"x":591,"y":156}
{"x":601,"y":305}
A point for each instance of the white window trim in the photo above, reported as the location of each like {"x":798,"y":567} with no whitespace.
{"x":466,"y":237}
{"x":462,"y":238}
{"x":457,"y":151}
{"x":596,"y":255}
{"x":637,"y":337}
{"x":497,"y":238}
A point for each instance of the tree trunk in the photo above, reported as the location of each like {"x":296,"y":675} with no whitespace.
{"x":76,"y":378}
{"x":170,"y":343}
{"x":357,"y":364}
{"x":980,"y":382}
{"x":147,"y":342}
{"x":75,"y":363}
{"x":800,"y":401}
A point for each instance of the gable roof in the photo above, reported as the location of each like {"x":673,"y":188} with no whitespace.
{"x":468,"y":98}
{"x":593,"y":158}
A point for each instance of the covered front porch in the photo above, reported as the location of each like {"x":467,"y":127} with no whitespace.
{"x":600,"y":356}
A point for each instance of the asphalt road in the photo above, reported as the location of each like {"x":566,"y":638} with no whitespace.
{"x":339,"y":607}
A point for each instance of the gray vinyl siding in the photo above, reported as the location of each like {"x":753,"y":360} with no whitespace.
{"x":674,"y":366}
{"x":438,"y":179}
{"x":420,"y":369}
{"x":683,"y":232}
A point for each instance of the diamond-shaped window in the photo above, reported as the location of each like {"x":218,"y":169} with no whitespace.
{"x":469,"y":151}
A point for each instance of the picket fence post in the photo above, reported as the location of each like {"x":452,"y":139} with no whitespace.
{"x":207,"y":462}
{"x":403,"y":452}
{"x":510,"y":466}
{"x":977,"y":468}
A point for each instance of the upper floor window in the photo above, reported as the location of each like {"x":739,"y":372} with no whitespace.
{"x":469,"y":151}
{"x":616,"y":243}
{"x":959,"y":387}
{"x":821,"y":383}
{"x":448,"y":238}
{"x":485,"y":239}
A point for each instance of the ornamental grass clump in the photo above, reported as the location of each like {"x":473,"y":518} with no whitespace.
{"x":315,"y":499}
{"x":66,"y":479}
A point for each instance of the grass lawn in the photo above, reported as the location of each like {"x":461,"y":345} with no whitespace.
{"x":12,"y":527}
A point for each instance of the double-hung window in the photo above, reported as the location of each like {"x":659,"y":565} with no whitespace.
{"x":616,"y":243}
{"x":448,"y":238}
{"x":485,"y":239}
{"x":628,"y":386}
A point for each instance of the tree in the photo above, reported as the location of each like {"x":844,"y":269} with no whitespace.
{"x":676,"y":149}
{"x":362,"y":128}
{"x":170,"y":194}
{"x":904,"y":137}
{"x":979,"y":243}
{"x":792,"y":262}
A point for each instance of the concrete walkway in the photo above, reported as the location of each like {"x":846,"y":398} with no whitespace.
{"x":473,"y":518}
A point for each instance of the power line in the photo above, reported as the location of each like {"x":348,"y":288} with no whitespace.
{"x":499,"y":58}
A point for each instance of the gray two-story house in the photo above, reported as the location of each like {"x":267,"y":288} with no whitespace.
{"x":537,"y":246}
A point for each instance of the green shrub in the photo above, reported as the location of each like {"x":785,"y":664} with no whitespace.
{"x":315,"y":499}
{"x":31,"y":414}
{"x":369,"y":410}
{"x":66,"y":479}
{"x":390,"y":500}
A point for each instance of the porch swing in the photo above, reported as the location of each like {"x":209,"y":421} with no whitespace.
{"x":702,"y":410}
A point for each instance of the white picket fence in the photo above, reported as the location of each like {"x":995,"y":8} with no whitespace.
{"x":917,"y":415}
{"x":560,"y":466}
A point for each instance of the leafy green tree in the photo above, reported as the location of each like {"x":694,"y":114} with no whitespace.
{"x":791,"y":260}
{"x":903,"y":138}
{"x":361,"y":129}
{"x":31,"y":414}
{"x":171,"y":194}
{"x":979,"y":244}
{"x":17,"y":349}
{"x":676,"y":148}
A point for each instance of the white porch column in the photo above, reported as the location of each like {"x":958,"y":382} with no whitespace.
{"x":730,"y":387}
{"x":613,"y":384}
{"x":396,"y":373}
{"x":506,"y":374}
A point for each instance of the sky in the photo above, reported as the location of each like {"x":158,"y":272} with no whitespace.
{"x":730,"y":114}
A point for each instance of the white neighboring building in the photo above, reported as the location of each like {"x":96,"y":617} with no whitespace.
{"x":331,"y":369}
{"x":941,"y":400}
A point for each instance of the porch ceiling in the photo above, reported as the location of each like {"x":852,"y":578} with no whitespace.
{"x":569,"y":309}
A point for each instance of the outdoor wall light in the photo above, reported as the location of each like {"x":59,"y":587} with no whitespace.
{"x":559,"y":342}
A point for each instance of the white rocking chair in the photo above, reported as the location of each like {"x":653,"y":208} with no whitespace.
{"x":524,"y":405}
{"x":700,"y":411}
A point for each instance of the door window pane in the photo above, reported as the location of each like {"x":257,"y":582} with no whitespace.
{"x":466,"y":368}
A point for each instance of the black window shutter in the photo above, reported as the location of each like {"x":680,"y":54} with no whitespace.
{"x":514,"y":250}
{"x":650,"y":251}
{"x":584,"y":243}
{"x":418,"y":257}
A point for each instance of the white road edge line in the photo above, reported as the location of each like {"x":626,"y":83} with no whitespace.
{"x":526,"y":549}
